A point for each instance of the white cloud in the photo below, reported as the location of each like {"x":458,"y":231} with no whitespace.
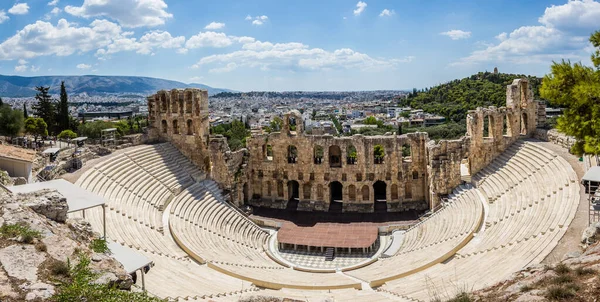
{"x":457,"y":34}
{"x":34,"y":68}
{"x":563,"y":33}
{"x":227,"y":68}
{"x":56,"y":11}
{"x":53,"y":2}
{"x":196,"y":79}
{"x":214,"y":25}
{"x":258,"y":20}
{"x":21,"y":68}
{"x":22,"y":62}
{"x":3,"y":16}
{"x":387,"y":13}
{"x":214,"y":39}
{"x":360,"y":7}
{"x":129,"y":13}
{"x":19,"y":9}
{"x":83,"y":66}
{"x":293,"y":56}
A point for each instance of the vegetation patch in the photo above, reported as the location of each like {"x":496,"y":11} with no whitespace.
{"x":19,"y":230}
{"x":99,"y":246}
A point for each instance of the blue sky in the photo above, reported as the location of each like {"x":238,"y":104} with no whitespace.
{"x":293,"y":45}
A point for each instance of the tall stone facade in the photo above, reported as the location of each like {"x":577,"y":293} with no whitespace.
{"x":294,"y":170}
{"x":181,"y":117}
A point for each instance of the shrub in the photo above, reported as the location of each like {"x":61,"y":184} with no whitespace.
{"x":525,"y":288}
{"x":67,"y":134}
{"x":561,"y":279}
{"x":562,"y":269}
{"x":23,"y":230}
{"x":557,"y":292}
{"x":99,"y":246}
{"x":461,"y":297}
{"x":581,"y":271}
{"x":41,"y":247}
{"x":60,"y":268}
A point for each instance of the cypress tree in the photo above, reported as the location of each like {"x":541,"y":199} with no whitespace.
{"x":44,"y":108}
{"x":62,"y":116}
{"x":1,"y":103}
{"x":25,"y":115}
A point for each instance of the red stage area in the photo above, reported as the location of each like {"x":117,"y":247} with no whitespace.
{"x":356,"y":235}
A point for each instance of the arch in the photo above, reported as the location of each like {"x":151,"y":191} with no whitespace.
{"x":268,"y":152}
{"x":335,"y":156}
{"x":256,"y":189}
{"x":245,"y":193}
{"x":292,"y":154}
{"x":163,"y":101}
{"x":190,"y":127}
{"x":406,"y":152}
{"x":175,"y":127}
{"x":365,"y":193}
{"x":181,"y":104}
{"x":318,"y":154}
{"x":380,"y":194}
{"x":292,"y":122}
{"x":407,"y":190}
{"x":351,"y":155}
{"x":394,"y":191}
{"x":378,"y":154}
{"x":524,"y":123}
{"x":505,"y":126}
{"x":352,"y":193}
{"x":306,"y":190}
{"x":335,"y":196}
{"x":174,"y":101}
{"x":280,"y":189}
{"x":189,"y":96}
{"x":164,"y":126}
{"x":488,"y":126}
{"x":293,"y":195}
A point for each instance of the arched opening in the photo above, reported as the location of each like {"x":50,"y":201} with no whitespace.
{"x":164,"y":126}
{"x":190,"y":127}
{"x":175,"y":127}
{"x":181,"y":108}
{"x":415,"y":175}
{"x":163,"y":102}
{"x":268,"y":152}
{"x":189,"y":96}
{"x":269,"y":189}
{"x":505,"y":126}
{"x":256,"y":190}
{"x":351,"y":193}
{"x":379,"y":191}
{"x":336,"y":197}
{"x":293,"y":195}
{"x":292,"y":154}
{"x":394,"y":192}
{"x":378,"y":154}
{"x":292,"y":123}
{"x":523,"y":123}
{"x":365,"y":193}
{"x":280,"y":189}
{"x":245,"y":193}
{"x":351,"y":155}
{"x":318,"y":155}
{"x":406,"y":152}
{"x":335,"y":156}
{"x":306,"y":190}
{"x":488,"y":127}
{"x":174,"y":100}
{"x":407,"y":190}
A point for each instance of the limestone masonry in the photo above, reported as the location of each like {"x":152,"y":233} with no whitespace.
{"x":294,"y":170}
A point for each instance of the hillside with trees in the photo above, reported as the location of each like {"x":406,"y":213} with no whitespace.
{"x":453,"y":99}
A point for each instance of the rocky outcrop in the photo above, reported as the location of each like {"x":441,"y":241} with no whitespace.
{"x":49,"y":203}
{"x":590,"y":234}
{"x":28,"y":268}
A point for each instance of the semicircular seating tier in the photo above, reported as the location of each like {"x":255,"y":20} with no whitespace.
{"x":533,"y":196}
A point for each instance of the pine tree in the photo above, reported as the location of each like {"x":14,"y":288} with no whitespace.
{"x":576,"y":88}
{"x":44,"y":109}
{"x":62,"y":116}
{"x":25,"y":114}
{"x":1,"y":103}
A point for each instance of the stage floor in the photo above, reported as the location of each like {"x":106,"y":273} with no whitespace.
{"x":323,"y":234}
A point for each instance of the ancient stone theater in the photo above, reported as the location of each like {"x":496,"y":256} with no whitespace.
{"x":350,"y":218}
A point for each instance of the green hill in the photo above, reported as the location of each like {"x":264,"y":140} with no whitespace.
{"x":453,"y":99}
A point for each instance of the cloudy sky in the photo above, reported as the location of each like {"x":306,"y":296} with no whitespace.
{"x":293,"y":45}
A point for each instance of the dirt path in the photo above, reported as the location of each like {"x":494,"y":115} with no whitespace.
{"x":73,"y":177}
{"x":570,"y":241}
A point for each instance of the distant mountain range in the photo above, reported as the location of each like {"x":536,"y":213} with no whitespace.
{"x":15,"y":86}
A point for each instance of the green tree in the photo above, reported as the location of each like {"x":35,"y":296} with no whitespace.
{"x":93,"y":129}
{"x":62,"y":115}
{"x":44,"y":108}
{"x":36,"y":126}
{"x":11,"y":121}
{"x":1,"y":102}
{"x":276,"y":124}
{"x":25,"y":114}
{"x":67,"y":134}
{"x":577,"y":88}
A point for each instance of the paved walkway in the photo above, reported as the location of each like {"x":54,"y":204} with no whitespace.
{"x":571,"y":239}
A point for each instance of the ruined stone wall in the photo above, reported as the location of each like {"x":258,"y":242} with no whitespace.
{"x":555,"y":137}
{"x":181,"y":117}
{"x":444,"y":163}
{"x":226,"y":167}
{"x":272,"y":175}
